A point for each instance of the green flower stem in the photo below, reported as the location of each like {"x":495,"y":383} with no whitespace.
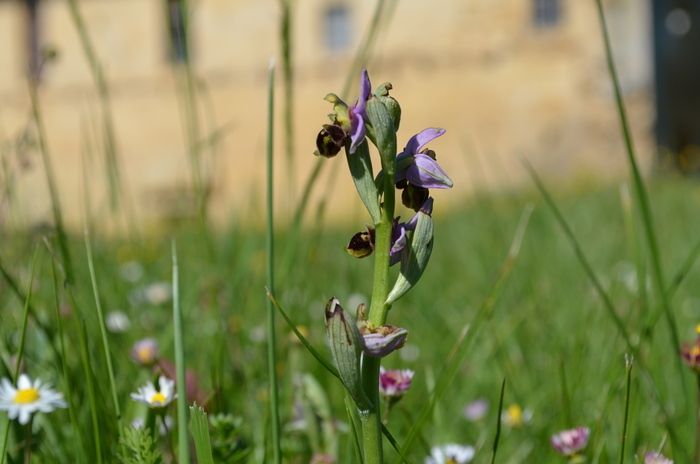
{"x":371,"y":419}
{"x":386,"y":141}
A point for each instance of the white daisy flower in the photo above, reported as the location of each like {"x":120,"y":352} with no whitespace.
{"x":156,"y":398}
{"x":450,"y":454}
{"x":29,"y":397}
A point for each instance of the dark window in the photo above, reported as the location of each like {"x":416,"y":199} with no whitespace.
{"x":177,"y":32}
{"x":546,"y":13}
{"x":337,"y":28}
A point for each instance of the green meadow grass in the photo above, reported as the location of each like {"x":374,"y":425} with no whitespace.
{"x":548,"y":333}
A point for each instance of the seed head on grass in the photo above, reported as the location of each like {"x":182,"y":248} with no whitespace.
{"x":159,"y":398}
{"x":27,"y":398}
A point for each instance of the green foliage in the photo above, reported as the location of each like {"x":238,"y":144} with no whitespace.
{"x":137,"y":446}
{"x":199,"y":428}
{"x":229,"y":445}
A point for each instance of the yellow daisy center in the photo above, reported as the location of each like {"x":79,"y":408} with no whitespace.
{"x":158,"y":398}
{"x":27,"y":396}
{"x":697,"y":329}
{"x":451,"y":461}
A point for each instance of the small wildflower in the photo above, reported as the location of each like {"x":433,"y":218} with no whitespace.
{"x":450,"y":454}
{"x":476,"y":410}
{"x":515,"y":416}
{"x":117,"y":322}
{"x":394,"y":383}
{"x":156,"y":398}
{"x":29,"y":397}
{"x":155,"y":294}
{"x":654,"y":457}
{"x":570,"y":442}
{"x":145,"y":351}
{"x":690,"y":352}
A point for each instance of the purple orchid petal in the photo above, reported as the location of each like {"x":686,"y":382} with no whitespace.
{"x":365,"y":90}
{"x":357,"y":130}
{"x":419,"y":140}
{"x":426,"y":172}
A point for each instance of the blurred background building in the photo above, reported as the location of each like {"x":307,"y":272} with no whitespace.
{"x":507,"y":78}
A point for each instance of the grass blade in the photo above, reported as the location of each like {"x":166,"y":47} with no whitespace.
{"x":271,"y":338}
{"x":497,"y":437}
{"x":642,"y":196}
{"x":629,"y":361}
{"x":101,"y":321}
{"x":199,"y":428}
{"x":183,"y":446}
{"x":51,"y":182}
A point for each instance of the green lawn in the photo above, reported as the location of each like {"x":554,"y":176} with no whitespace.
{"x":547,"y":333}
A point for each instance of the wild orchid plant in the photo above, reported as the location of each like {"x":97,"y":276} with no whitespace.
{"x":358,"y":343}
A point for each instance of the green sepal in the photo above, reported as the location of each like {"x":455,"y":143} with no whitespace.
{"x":382,"y":93}
{"x":346,"y":347}
{"x":384,"y":133}
{"x":414,"y":262}
{"x":360,"y":165}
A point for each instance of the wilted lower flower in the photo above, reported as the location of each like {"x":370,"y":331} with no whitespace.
{"x":418,"y":166}
{"x":476,"y":410}
{"x":570,"y":442}
{"x":394,"y":383}
{"x":29,"y":397}
{"x":654,"y":457}
{"x":145,"y":351}
{"x":450,"y":454}
{"x":381,"y":341}
{"x":156,"y":398}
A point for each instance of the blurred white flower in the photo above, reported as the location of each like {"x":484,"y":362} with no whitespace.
{"x":409,"y":352}
{"x":145,"y":351}
{"x":155,"y":294}
{"x":131,"y":271}
{"x":117,"y":322}
{"x":476,"y":410}
{"x":654,"y":457}
{"x":257,"y":334}
{"x":29,"y":397}
{"x":156,"y":398}
{"x":450,"y":454}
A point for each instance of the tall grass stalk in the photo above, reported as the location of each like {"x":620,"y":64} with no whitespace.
{"x":497,"y":437}
{"x":110,"y":145}
{"x":461,"y":347}
{"x":286,"y":45}
{"x":629,"y":361}
{"x":641,"y":195}
{"x":270,"y":247}
{"x":64,"y":363}
{"x":20,"y":351}
{"x":51,"y":181}
{"x":101,"y":321}
{"x":183,"y":445}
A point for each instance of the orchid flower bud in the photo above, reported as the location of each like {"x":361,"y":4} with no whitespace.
{"x":382,"y":93}
{"x":346,"y":347}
